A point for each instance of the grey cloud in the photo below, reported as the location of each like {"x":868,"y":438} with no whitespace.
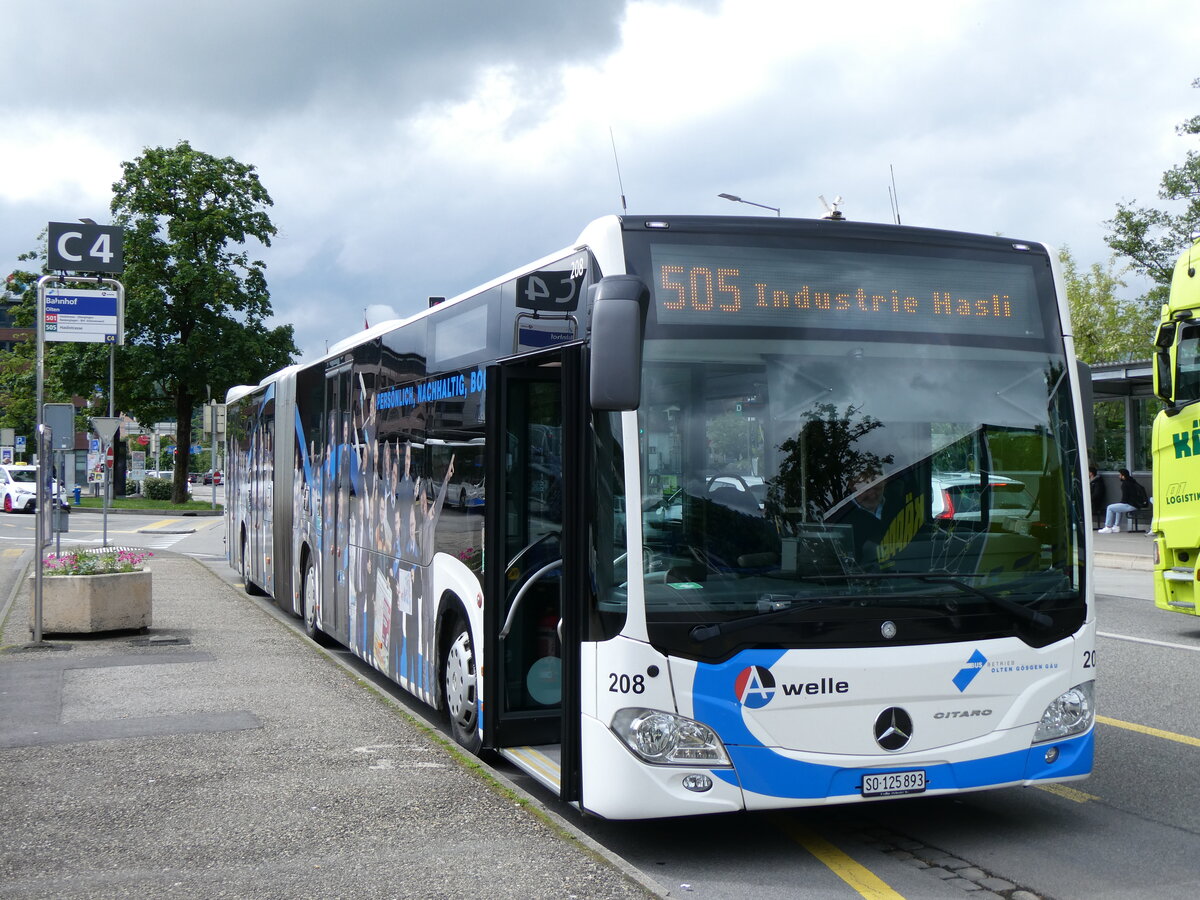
{"x":267,"y":57}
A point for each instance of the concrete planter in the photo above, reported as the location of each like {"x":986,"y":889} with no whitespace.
{"x":89,"y":603}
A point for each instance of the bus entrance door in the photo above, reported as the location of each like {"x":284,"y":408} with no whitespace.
{"x":533,"y":564}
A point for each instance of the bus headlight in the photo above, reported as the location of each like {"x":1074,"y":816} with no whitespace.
{"x":1072,"y":712}
{"x":666,"y":739}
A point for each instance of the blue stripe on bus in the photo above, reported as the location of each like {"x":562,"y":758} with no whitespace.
{"x":308,"y":475}
{"x":761,"y":770}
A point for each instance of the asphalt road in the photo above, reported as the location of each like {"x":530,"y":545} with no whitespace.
{"x":1128,"y":832}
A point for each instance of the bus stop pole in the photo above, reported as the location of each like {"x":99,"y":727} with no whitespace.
{"x":39,"y":541}
{"x":212,"y":409}
{"x":112,"y":390}
{"x":39,"y":444}
{"x":107,"y":487}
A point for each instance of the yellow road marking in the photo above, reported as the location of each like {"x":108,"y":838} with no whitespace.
{"x":858,"y":876}
{"x":539,"y":761}
{"x":159,"y":524}
{"x":1153,"y":732}
{"x":9,"y":551}
{"x":1066,"y":792}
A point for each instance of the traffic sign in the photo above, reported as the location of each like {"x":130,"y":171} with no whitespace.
{"x":60,"y":418}
{"x":108,"y":457}
{"x":106,"y":427}
{"x":83,"y":316}
{"x":80,"y":247}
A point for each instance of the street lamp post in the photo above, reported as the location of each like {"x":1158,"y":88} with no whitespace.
{"x":737,"y":199}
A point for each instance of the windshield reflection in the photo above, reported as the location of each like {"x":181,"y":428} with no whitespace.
{"x":836,"y":482}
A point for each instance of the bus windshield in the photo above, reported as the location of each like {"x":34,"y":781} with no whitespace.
{"x":853,"y":486}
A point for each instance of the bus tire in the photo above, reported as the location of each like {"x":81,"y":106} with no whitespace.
{"x":308,"y":591}
{"x":247,"y":585}
{"x":460,"y":683}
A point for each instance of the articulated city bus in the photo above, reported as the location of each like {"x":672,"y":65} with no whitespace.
{"x":704,"y":514}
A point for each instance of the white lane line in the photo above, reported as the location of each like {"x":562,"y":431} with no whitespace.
{"x":1137,"y":640}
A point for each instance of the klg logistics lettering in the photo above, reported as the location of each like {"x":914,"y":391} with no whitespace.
{"x":1187,"y":443}
{"x":1179,"y":493}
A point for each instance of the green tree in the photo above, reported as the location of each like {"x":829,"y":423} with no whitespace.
{"x":18,"y":367}
{"x":1107,"y":328}
{"x":822,"y":465}
{"x":1152,"y":239}
{"x":733,"y":442}
{"x":196,"y":303}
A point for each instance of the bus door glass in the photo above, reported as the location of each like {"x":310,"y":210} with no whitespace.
{"x":335,"y":499}
{"x":533,"y":529}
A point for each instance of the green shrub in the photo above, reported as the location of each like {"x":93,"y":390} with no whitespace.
{"x":156,"y":489}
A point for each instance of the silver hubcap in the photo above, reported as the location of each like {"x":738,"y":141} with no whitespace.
{"x":310,"y":601}
{"x":460,"y":681}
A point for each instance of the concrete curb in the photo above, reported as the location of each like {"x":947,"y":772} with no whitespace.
{"x":1124,"y":561}
{"x":152,"y":512}
{"x":22,"y":574}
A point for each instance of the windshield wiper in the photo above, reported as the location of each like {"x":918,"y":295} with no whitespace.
{"x":702,"y":633}
{"x":1015,"y":609}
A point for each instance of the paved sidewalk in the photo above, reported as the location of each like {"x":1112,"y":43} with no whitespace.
{"x":1124,"y":550}
{"x":218,"y":755}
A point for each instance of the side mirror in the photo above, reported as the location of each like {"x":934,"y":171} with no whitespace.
{"x":1164,"y":339}
{"x":618,"y":318}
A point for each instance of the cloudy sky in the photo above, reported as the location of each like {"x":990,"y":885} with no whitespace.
{"x":418,"y":147}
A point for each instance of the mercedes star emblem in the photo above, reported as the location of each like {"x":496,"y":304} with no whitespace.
{"x":893,"y":728}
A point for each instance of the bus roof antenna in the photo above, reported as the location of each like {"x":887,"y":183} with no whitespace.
{"x":831,"y":209}
{"x":893,"y":196}
{"x":617,"y":163}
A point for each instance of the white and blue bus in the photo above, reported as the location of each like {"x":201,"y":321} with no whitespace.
{"x":705,"y":514}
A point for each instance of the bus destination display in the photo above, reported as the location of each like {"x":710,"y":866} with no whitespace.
{"x":754,"y":286}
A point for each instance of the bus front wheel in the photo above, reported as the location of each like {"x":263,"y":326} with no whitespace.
{"x":460,"y":684}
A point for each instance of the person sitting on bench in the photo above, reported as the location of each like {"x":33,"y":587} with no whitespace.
{"x":1133,"y":497}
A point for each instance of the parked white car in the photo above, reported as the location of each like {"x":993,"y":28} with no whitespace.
{"x":959,"y":495}
{"x":18,"y":488}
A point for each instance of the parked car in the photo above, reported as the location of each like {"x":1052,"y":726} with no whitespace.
{"x":18,"y":489}
{"x":193,"y":477}
{"x":958,"y":496}
{"x":751,"y":484}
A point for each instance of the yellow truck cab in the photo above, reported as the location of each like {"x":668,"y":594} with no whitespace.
{"x":1176,"y":441}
